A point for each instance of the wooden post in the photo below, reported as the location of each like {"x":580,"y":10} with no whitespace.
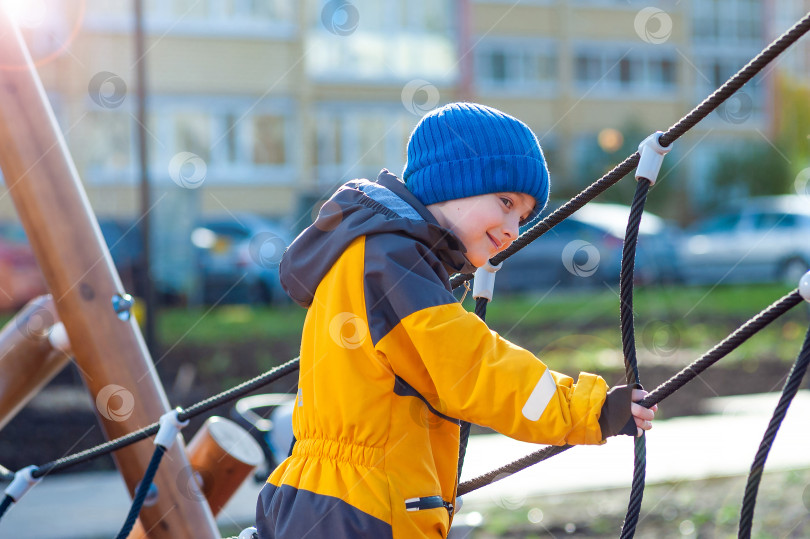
{"x":28,"y":359}
{"x":222,"y":455}
{"x":67,"y":242}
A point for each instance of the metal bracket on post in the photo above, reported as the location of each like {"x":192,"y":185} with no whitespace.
{"x":652,"y":155}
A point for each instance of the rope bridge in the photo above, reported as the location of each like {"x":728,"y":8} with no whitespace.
{"x":25,"y":478}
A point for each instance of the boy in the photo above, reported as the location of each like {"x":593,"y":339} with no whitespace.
{"x":391,"y":361}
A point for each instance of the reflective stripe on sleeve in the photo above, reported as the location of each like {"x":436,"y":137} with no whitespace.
{"x":545,"y":389}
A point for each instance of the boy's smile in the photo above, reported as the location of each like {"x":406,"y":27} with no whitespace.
{"x":485,"y":224}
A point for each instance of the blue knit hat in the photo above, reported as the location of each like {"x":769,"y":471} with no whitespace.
{"x":465,"y":149}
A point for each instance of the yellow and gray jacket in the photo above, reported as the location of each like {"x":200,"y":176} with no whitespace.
{"x":390,"y":362}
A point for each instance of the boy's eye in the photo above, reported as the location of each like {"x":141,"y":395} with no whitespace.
{"x":506,"y":202}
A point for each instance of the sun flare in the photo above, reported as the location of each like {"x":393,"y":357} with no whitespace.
{"x":25,"y":13}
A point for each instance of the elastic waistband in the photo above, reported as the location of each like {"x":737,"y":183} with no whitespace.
{"x":361,"y":455}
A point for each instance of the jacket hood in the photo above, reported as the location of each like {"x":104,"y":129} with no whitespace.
{"x":362,"y":208}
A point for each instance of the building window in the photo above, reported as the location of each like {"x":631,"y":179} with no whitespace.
{"x":516,"y":66}
{"x":497,"y":67}
{"x":662,"y":72}
{"x":371,"y":131}
{"x":728,"y":21}
{"x":238,"y":141}
{"x":356,"y":142}
{"x":607,"y":69}
{"x":329,"y":141}
{"x":246,"y":18}
{"x":220,"y":10}
{"x":101,"y":142}
{"x":381,"y":41}
{"x":268,"y":140}
{"x":192,"y":133}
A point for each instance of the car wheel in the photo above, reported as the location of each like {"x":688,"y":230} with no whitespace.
{"x":792,"y":271}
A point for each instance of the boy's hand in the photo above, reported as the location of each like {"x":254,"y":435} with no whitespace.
{"x":614,"y":418}
{"x":643,"y":416}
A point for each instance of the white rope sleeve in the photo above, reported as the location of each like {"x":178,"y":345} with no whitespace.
{"x":652,"y":155}
{"x":804,"y":286}
{"x":170,"y":427}
{"x":484,"y":281}
{"x":23,"y":482}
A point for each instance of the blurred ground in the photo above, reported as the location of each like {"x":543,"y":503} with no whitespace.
{"x":695,"y":473}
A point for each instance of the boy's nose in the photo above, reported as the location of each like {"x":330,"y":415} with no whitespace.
{"x":511,"y":230}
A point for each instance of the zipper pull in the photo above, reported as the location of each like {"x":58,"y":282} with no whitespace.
{"x":466,"y":289}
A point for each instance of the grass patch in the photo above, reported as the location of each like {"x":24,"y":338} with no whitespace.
{"x":583,"y":323}
{"x":230,"y":323}
{"x":591,"y":306}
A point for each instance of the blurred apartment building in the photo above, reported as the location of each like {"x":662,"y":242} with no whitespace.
{"x":267,"y":105}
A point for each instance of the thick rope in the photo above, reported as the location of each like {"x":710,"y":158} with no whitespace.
{"x":745,"y":74}
{"x":242,"y":389}
{"x":788,"y":393}
{"x":192,"y":411}
{"x":629,"y":348}
{"x":5,"y":504}
{"x":511,"y":468}
{"x":143,"y":490}
{"x":464,"y":430}
{"x":729,"y":344}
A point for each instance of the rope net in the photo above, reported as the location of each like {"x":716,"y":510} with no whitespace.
{"x":735,"y":339}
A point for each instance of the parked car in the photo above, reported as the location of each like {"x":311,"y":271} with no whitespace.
{"x":764,"y":239}
{"x":21,"y":279}
{"x":586,"y":250}
{"x":238,"y":258}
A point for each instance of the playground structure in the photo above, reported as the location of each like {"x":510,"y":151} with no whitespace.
{"x":88,"y":317}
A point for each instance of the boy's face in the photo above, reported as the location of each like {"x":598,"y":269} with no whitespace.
{"x":486,"y":224}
